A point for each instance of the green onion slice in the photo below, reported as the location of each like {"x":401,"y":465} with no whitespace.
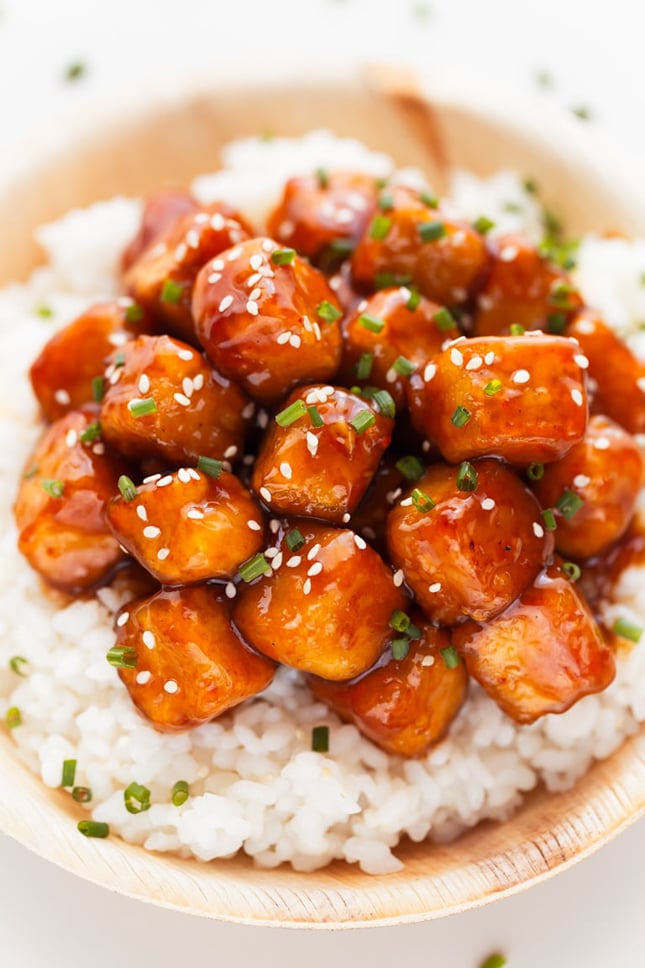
{"x":403,"y":366}
{"x":385,"y":201}
{"x":283,"y":257}
{"x":535,"y":472}
{"x":82,"y":794}
{"x":431,"y":231}
{"x":444,"y":320}
{"x":320,"y":739}
{"x":122,"y":658}
{"x":294,"y":539}
{"x":127,"y":487}
{"x":314,"y":416}
{"x":136,"y":798}
{"x":411,"y":468}
{"x":414,"y":300}
{"x":380,"y":227}
{"x":362,"y":421}
{"x":91,"y":433}
{"x":429,"y":199}
{"x":571,"y":570}
{"x":422,"y":502}
{"x":180,"y":793}
{"x":550,"y":522}
{"x":53,"y":487}
{"x":450,"y":657}
{"x":323,"y":177}
{"x":364,"y":366}
{"x":494,"y":961}
{"x":327,"y":312}
{"x":92,"y":828}
{"x":45,"y":312}
{"x":569,"y":503}
{"x":254,"y":567}
{"x":210,"y":466}
{"x":516,"y":329}
{"x":466,"y":477}
{"x":140,"y":408}
{"x":399,"y":621}
{"x":385,"y":403}
{"x":627,"y":630}
{"x":556,"y":323}
{"x":13,"y":718}
{"x":390,"y":280}
{"x":68,"y":773}
{"x":400,"y":648}
{"x":483,"y":224}
{"x":371,"y":323}
{"x":16,"y":664}
{"x":492,"y":387}
{"x":460,"y":417}
{"x":134,"y":313}
{"x":290,"y":414}
{"x":171,"y":292}
{"x":98,"y":389}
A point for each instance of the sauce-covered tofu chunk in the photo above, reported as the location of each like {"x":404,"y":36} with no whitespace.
{"x":594,"y":489}
{"x":63,"y":374}
{"x":60,"y":509}
{"x":391,"y":334}
{"x":616,"y":376}
{"x":188,"y":526}
{"x":321,"y":209}
{"x":164,"y":400}
{"x":324,"y":607}
{"x":321,"y":462}
{"x":541,"y":655}
{"x":523,"y":289}
{"x":522,"y":398}
{"x":267,"y":319}
{"x":160,"y":213}
{"x":163,"y":278}
{"x":404,"y":705}
{"x":468,"y":552}
{"x":190,"y":664}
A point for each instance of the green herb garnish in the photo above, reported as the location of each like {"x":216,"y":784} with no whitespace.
{"x":569,"y":503}
{"x":141,"y":408}
{"x":327,"y":312}
{"x":92,"y":828}
{"x":380,"y":227}
{"x":254,"y":567}
{"x":290,"y":414}
{"x":210,"y":466}
{"x":91,"y":433}
{"x":444,"y":320}
{"x":571,"y":570}
{"x":314,"y":416}
{"x":16,"y":664}
{"x":403,"y":366}
{"x":294,"y":539}
{"x":82,"y":794}
{"x":283,"y":257}
{"x":460,"y":417}
{"x":122,"y":658}
{"x":421,"y":501}
{"x":136,"y":798}
{"x":371,"y":323}
{"x":626,"y":630}
{"x":54,"y":488}
{"x":431,"y":231}
{"x":492,"y":387}
{"x":550,"y":522}
{"x":466,"y":477}
{"x":400,"y":648}
{"x":98,"y":389}
{"x":364,"y":366}
{"x":127,"y":488}
{"x":413,"y":300}
{"x":171,"y":292}
{"x":320,"y":739}
{"x":483,"y":224}
{"x":68,"y":773}
{"x":13,"y":718}
{"x":450,"y":657}
{"x":535,"y":472}
{"x":362,"y":421}
{"x":180,"y":793}
{"x":410,"y":467}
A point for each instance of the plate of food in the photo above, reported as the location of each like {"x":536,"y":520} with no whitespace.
{"x":322,"y":529}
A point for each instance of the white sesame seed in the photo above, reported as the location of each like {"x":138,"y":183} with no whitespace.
{"x":144,"y":383}
{"x":581,"y":360}
{"x":508,"y":253}
{"x":474,"y":363}
{"x":581,"y":480}
{"x":427,"y":660}
{"x":262,"y":419}
{"x":425,"y":446}
{"x":185,"y":355}
{"x":359,"y":542}
{"x":315,"y":569}
{"x":181,"y":399}
{"x":489,"y":358}
{"x":313,"y":551}
{"x":456,"y":357}
{"x":346,"y":517}
{"x":285,"y":229}
{"x":252,"y":307}
{"x":277,"y":561}
{"x":230,"y":590}
{"x":295,"y":341}
{"x":253,"y":280}
{"x":62,"y":396}
{"x":234,"y":254}
{"x":225,"y":303}
{"x":254,"y":525}
{"x":488,"y":504}
{"x":391,"y":376}
{"x":435,"y":587}
{"x":248,"y":411}
{"x":181,"y":252}
{"x":151,"y":531}
{"x":114,"y":377}
{"x":196,"y":476}
{"x":171,"y":687}
{"x":283,"y":338}
{"x":217,"y":221}
{"x":265,"y":494}
{"x":270,"y":553}
{"x":141,"y":512}
{"x":183,"y":475}
{"x":195,"y":514}
{"x":122,"y":619}
{"x":362,"y":306}
{"x":335,"y":283}
{"x":640,"y":383}
{"x":285,"y":470}
{"x":577,"y":397}
{"x":256,"y":261}
{"x":214,"y":277}
{"x":397,"y":578}
{"x":152,"y":479}
{"x":98,"y":448}
{"x":71,"y":437}
{"x":274,"y":525}
{"x":485,"y":303}
{"x":148,"y":639}
{"x":344,"y":216}
{"x":230,"y":452}
{"x":538,"y":530}
{"x":294,"y":561}
{"x":118,"y":339}
{"x":306,"y":588}
{"x":164,"y":481}
{"x":429,"y":372}
{"x":312,"y":397}
{"x":163,"y":553}
{"x":306,"y":323}
{"x":406,"y":502}
{"x":317,"y":332}
{"x":521,"y":376}
{"x":187,"y":386}
{"x":143,"y":677}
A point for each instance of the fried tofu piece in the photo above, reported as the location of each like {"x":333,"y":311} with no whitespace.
{"x":161,"y":212}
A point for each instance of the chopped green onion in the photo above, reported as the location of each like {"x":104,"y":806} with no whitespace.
{"x":429,"y":199}
{"x":16,"y":664}
{"x":403,"y":366}
{"x":410,"y":467}
{"x":549,"y":519}
{"x":400,"y":648}
{"x":364,"y":366}
{"x":450,"y":657}
{"x":444,"y":320}
{"x":535,"y":472}
{"x":327,"y":312}
{"x":380,"y":183}
{"x":494,"y":961}
{"x":421,"y":501}
{"x":210,"y":466}
{"x":483,"y":224}
{"x":399,"y":621}
{"x":569,"y":503}
{"x":314,"y":416}
{"x":413,"y":631}
{"x":626,"y":630}
{"x":294,"y":539}
{"x":119,"y":359}
{"x":460,"y":417}
{"x":82,"y":794}
{"x":341,"y":247}
{"x":290,"y":414}
{"x":512,"y":207}
{"x":414,"y":300}
{"x":362,"y":421}
{"x":530,"y":186}
{"x":46,"y":312}
{"x":390,"y":280}
{"x":516,"y":329}
{"x":134,"y":313}
{"x":180,"y":793}
{"x":582,"y":112}
{"x":431,"y":231}
{"x":323,"y":178}
{"x":53,"y":487}
{"x":91,"y":433}
{"x":122,"y":658}
{"x":127,"y":487}
{"x":320,"y":739}
{"x":283,"y":257}
{"x":13,"y":718}
{"x":385,"y":403}
{"x":68,"y":774}
{"x":385,"y":201}
{"x":379,"y":228}
{"x":254,"y":567}
{"x":92,"y":828}
{"x":556,"y":323}
{"x":141,"y":408}
{"x":98,"y":389}
{"x":561,"y":294}
{"x":136,"y":798}
{"x":492,"y":387}
{"x":466,"y":477}
{"x":372,"y":323}
{"x":171,"y":292}
{"x":571,"y":570}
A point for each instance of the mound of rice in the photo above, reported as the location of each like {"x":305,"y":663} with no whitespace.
{"x":255,"y":784}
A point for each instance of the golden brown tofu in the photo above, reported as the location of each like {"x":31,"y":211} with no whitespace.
{"x":523,"y":289}
{"x":190,"y":664}
{"x":324,"y":607}
{"x":522,"y":398}
{"x":63,"y":374}
{"x":321,"y":462}
{"x":404,"y":705}
{"x":267,"y":319}
{"x":468,"y":552}
{"x":594,"y":489}
{"x":160,"y":212}
{"x":541,"y":655}
{"x":164,"y":400}
{"x":189,"y":526}
{"x":60,"y":509}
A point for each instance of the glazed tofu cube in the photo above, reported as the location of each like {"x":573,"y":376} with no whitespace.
{"x":405,"y":704}
{"x":541,"y":655}
{"x":60,"y":509}
{"x":323,"y":607}
{"x":189,"y":526}
{"x":183,"y":661}
{"x":161,"y":212}
{"x":469,"y":540}
{"x":164,"y":400}
{"x":594,"y":489}
{"x":523,"y":289}
{"x":64,"y":373}
{"x":267,"y":319}
{"x":321,"y":452}
{"x":522,"y":398}
{"x":389,"y":336}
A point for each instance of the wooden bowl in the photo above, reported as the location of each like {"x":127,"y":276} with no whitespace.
{"x":433,"y":123}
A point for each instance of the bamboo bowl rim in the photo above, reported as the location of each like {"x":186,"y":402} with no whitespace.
{"x":435,"y":120}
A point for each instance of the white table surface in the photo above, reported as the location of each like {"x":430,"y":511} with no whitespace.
{"x":592,"y":52}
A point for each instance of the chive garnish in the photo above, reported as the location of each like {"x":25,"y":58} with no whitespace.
{"x":13,"y":718}
{"x":171,"y":292}
{"x":91,"y":433}
{"x":290,"y":414}
{"x":492,"y":387}
{"x":443,"y":319}
{"x":582,"y":112}
{"x":136,"y":798}
{"x":450,"y":657}
{"x":571,"y":570}
{"x":400,"y":648}
{"x":390,"y":280}
{"x":385,"y":201}
{"x":535,"y":472}
{"x":364,"y":366}
{"x":327,"y":312}
{"x":372,"y":323}
{"x":45,"y":312}
{"x":323,"y":177}
{"x":385,"y":403}
{"x":414,"y":300}
{"x":421,"y":501}
{"x":294,"y":539}
{"x":180,"y":793}
{"x":362,"y":421}
{"x":341,"y":247}
{"x":82,"y":794}
{"x":494,"y":961}
{"x":399,"y":621}
{"x":429,"y":199}
{"x":556,"y":323}
{"x":320,"y":739}
{"x":466,"y":477}
{"x":460,"y":417}
{"x":134,"y":313}
{"x":627,"y":630}
{"x":127,"y":488}
{"x":141,"y":408}
{"x":68,"y":773}
{"x":122,"y":658}
{"x":254,"y":567}
{"x":92,"y":828}
{"x":561,"y":294}
{"x":431,"y":231}
{"x":16,"y":664}
{"x":410,"y":467}
{"x":74,"y":71}
{"x":549,"y":519}
{"x":98,"y":389}
{"x":530,"y":186}
{"x":516,"y":329}
{"x":403,"y":366}
{"x":314,"y":416}
{"x":569,"y":503}
{"x":380,"y":227}
{"x":483,"y":224}
{"x":53,"y":487}
{"x":210,"y":466}
{"x":283,"y":257}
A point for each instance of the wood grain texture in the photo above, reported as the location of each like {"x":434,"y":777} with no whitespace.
{"x":167,"y":139}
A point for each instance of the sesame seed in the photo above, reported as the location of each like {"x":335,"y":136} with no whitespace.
{"x":217,"y":264}
{"x":98,"y":448}
{"x":254,"y":525}
{"x":214,"y":277}
{"x":196,"y":476}
{"x":577,"y":397}
{"x":306,"y":323}
{"x":425,"y":446}
{"x":429,"y":372}
{"x":312,"y":443}
{"x":521,"y":376}
{"x":581,"y":480}
{"x":306,"y":588}
{"x":270,"y":553}
{"x":346,"y":517}
{"x":144,"y":384}
{"x":406,"y":502}
{"x":640,"y":383}
{"x":508,"y":253}
{"x":344,"y":216}
{"x":256,"y":261}
{"x":255,"y":294}
{"x":435,"y":587}
{"x":485,"y":303}
{"x":474,"y":363}
{"x":248,"y":411}
{"x":152,"y":478}
{"x":230,"y":452}
{"x":181,"y":399}
{"x":397,"y":578}
{"x":581,"y":360}
{"x":268,"y":245}
{"x":217,"y":221}
{"x":313,"y":551}
{"x":262,"y":419}
{"x":283,"y":338}
{"x":253,"y":280}
{"x":294,"y":561}
{"x":274,"y":525}
{"x":265,"y":494}
{"x":151,"y":531}
{"x":234,"y":254}
{"x":230,"y":590}
{"x":315,"y":569}
{"x":148,"y":639}
{"x":62,"y":397}
{"x":538,"y":530}
{"x":316,"y":329}
{"x":456,"y":357}
{"x":488,"y":504}
{"x":163,"y":553}
{"x":393,"y":496}
{"x":252,"y":307}
{"x":143,"y":677}
{"x":118,"y":339}
{"x":114,"y":377}
{"x":489,"y":358}
{"x":195,"y":514}
{"x":192,"y":239}
{"x":427,"y":660}
{"x":295,"y":341}
{"x":285,"y":229}
{"x":359,"y":542}
{"x":122,"y":619}
{"x":391,"y":376}
{"x":285,"y":470}
{"x":183,"y":475}
{"x":185,"y":355}
{"x":171,"y":687}
{"x":187,"y":386}
{"x":181,"y":252}
{"x":225,"y":303}
{"x":164,"y":481}
{"x":277,"y":561}
{"x":71,"y":438}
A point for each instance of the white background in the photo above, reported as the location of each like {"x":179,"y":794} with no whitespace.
{"x":590,"y":917}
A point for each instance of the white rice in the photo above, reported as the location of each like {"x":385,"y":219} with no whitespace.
{"x":255,"y":784}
